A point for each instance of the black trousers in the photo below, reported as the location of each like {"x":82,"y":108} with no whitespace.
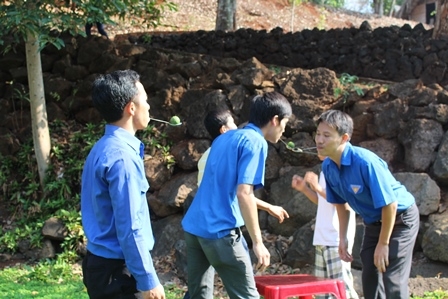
{"x":107,"y":278}
{"x":392,"y":284}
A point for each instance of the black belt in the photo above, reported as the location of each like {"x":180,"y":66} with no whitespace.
{"x":376,"y":223}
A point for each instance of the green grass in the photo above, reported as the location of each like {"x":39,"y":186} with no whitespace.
{"x":24,"y":282}
{"x":51,"y":280}
{"x":438,"y":294}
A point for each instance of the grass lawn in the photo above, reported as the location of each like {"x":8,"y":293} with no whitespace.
{"x":51,"y":280}
{"x":22,"y":283}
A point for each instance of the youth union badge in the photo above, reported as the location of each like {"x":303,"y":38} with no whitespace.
{"x":355,"y":188}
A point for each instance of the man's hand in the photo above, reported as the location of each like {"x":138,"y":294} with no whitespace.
{"x":381,"y":257}
{"x":343,"y":251}
{"x":157,"y":293}
{"x":278,"y":212}
{"x":298,"y":183}
{"x":263,"y":256}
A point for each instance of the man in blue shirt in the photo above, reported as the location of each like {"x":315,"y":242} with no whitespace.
{"x":360,"y":178}
{"x":115,"y":214}
{"x":225,"y":201}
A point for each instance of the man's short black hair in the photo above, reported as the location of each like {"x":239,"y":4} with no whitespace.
{"x":214,"y":120}
{"x":264,"y":107}
{"x":112,"y":92}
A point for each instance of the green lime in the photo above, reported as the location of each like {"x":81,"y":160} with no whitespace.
{"x":175,"y":120}
{"x":290,"y":144}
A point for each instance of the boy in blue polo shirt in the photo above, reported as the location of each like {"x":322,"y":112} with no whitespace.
{"x":359,"y":178}
{"x":225,"y":201}
{"x":216,"y":122}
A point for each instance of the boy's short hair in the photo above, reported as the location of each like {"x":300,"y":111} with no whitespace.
{"x":264,"y":107}
{"x":112,"y":92}
{"x":214,"y":120}
{"x":340,"y":121}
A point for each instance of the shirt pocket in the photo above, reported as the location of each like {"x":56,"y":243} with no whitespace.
{"x":355,"y":189}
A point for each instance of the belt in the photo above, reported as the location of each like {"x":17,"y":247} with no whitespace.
{"x":235,"y":230}
{"x":376,"y":223}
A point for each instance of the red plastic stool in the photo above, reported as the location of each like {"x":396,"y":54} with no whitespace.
{"x":302,"y":285}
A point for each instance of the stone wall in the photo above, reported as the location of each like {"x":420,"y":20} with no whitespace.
{"x":389,"y":53}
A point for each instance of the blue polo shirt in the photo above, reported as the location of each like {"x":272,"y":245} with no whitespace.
{"x":365,"y":183}
{"x":236,"y":157}
{"x":115,"y":213}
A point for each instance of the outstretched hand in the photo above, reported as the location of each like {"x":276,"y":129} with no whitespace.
{"x":298,"y":183}
{"x":313,"y":180}
{"x":278,"y":212}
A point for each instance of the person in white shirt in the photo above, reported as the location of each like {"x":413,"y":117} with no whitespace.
{"x":216,"y":122}
{"x":328,"y":264}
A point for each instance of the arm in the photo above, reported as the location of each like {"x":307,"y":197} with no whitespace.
{"x":132,"y":223}
{"x":343,"y":211}
{"x":299,"y":184}
{"x":380,"y":182}
{"x":381,"y":255}
{"x":276,"y":211}
{"x":248,"y":205}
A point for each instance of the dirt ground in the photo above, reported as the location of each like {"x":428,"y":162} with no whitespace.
{"x":193,"y":15}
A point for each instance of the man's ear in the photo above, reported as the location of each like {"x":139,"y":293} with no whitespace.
{"x":345,"y":137}
{"x":223,"y":129}
{"x":130,"y":108}
{"x":275,"y":121}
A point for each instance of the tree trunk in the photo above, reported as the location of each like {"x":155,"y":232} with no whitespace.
{"x":39,"y":121}
{"x":378,"y":7}
{"x":391,"y":11}
{"x":293,"y":8}
{"x":381,"y":8}
{"x":441,"y":25}
{"x":226,"y":15}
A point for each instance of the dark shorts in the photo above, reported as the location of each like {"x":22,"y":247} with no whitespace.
{"x":107,"y":278}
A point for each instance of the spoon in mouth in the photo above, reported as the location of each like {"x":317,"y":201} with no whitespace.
{"x":167,"y":122}
{"x":307,"y":150}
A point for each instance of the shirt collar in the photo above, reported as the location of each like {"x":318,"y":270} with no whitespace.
{"x":346,"y":157}
{"x":127,"y":137}
{"x":253,"y":127}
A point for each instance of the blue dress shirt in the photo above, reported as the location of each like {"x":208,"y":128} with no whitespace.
{"x":115,"y":213}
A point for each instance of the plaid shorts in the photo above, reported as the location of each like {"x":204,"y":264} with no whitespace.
{"x":329,"y":265}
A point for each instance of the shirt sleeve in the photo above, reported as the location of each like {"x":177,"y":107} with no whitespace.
{"x":380,"y":181}
{"x":251,"y":164}
{"x":131,"y":213}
